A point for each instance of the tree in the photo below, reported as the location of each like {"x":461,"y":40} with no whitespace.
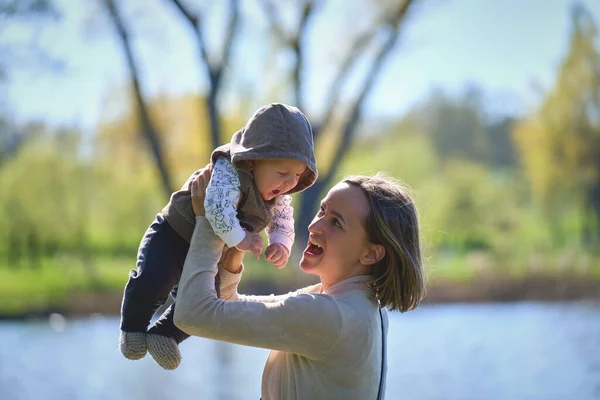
{"x":147,"y":129}
{"x":460,"y":128}
{"x":370,"y":48}
{"x":11,"y":10}
{"x":12,"y":137}
{"x":560,"y":143}
{"x":456,"y":126}
{"x":214,"y":71}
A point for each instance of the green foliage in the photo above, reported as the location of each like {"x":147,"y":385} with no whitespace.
{"x":464,"y":205}
{"x":73,"y":219}
{"x":54,"y":202}
{"x":560,"y":143}
{"x":41,"y":191}
{"x":459,"y":128}
{"x":49,"y":286}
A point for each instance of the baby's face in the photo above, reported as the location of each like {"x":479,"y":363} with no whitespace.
{"x":276,"y":177}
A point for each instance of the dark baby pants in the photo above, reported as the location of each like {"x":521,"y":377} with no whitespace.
{"x":160,"y":261}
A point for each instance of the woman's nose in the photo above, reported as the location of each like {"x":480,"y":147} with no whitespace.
{"x":315,"y":225}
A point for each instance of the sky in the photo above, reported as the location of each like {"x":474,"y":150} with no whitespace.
{"x":510,"y":48}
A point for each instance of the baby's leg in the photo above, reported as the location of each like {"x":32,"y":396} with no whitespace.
{"x":158,"y":270}
{"x":164,"y":337}
{"x":164,"y":325}
{"x":163,"y":340}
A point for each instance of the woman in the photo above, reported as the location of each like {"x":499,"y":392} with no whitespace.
{"x":327,"y":340}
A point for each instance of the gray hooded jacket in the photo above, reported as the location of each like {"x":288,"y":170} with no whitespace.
{"x":275,"y":131}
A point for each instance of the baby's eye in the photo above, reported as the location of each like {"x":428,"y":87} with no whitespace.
{"x":281,"y":173}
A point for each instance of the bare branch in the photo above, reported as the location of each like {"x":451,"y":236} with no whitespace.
{"x":28,"y":8}
{"x":294,"y":41}
{"x":192,"y":19}
{"x":350,"y":126}
{"x":274,"y":22}
{"x":339,"y":80}
{"x":214,"y":72}
{"x":148,"y":131}
{"x":194,"y":22}
{"x":299,"y":50}
{"x":229,"y":37}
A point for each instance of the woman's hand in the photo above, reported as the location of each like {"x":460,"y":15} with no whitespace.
{"x":198,"y":190}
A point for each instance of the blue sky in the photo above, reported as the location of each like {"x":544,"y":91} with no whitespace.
{"x":510,"y":48}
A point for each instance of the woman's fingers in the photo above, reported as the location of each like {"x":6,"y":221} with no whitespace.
{"x":205,"y":176}
{"x":198,"y":193}
{"x":195,"y":187}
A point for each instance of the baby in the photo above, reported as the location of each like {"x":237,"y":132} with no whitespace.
{"x":253,"y":175}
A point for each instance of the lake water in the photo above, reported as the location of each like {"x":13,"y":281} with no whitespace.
{"x":526,"y":351}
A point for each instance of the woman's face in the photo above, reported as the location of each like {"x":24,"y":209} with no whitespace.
{"x":338,"y":243}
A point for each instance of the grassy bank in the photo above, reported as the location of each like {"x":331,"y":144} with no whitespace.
{"x":48,"y":286}
{"x":66,"y":285}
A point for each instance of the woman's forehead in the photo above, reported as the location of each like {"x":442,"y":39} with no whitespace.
{"x":349,"y":200}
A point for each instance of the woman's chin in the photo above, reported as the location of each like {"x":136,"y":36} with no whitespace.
{"x":307,"y":265}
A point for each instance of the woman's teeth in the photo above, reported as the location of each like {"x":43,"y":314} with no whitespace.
{"x":313,"y":248}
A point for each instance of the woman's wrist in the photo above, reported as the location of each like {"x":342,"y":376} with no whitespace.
{"x":233,"y":271}
{"x":231,"y":260}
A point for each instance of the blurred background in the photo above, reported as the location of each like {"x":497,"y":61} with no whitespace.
{"x":488,"y":110}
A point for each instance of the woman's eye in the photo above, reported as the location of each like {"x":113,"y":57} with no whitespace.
{"x":336,"y":222}
{"x":321,"y":212}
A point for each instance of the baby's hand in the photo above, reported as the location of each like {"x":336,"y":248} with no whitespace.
{"x":253,"y":242}
{"x":278,"y":254}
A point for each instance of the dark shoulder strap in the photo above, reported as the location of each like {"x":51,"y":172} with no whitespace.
{"x":383,"y":351}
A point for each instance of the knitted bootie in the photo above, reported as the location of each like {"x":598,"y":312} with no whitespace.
{"x":164,"y":350}
{"x":132,"y":344}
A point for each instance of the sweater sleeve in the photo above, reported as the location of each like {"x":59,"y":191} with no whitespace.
{"x":306,"y":324}
{"x":281,"y":228}
{"x":229,"y":283}
{"x":222,"y":197}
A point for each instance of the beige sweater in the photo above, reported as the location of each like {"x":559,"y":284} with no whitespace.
{"x":325,"y":344}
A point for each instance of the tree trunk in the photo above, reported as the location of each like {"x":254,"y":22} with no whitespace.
{"x":147,"y":128}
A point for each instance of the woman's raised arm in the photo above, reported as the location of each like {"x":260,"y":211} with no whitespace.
{"x":306,"y":324}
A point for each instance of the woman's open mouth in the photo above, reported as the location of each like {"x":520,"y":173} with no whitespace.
{"x":313,"y":249}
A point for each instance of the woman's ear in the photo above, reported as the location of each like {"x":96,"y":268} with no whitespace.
{"x":373,"y":255}
{"x":249,"y":164}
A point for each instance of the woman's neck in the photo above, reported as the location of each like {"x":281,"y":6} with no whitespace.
{"x":356,"y":270}
{"x":325,"y":285}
